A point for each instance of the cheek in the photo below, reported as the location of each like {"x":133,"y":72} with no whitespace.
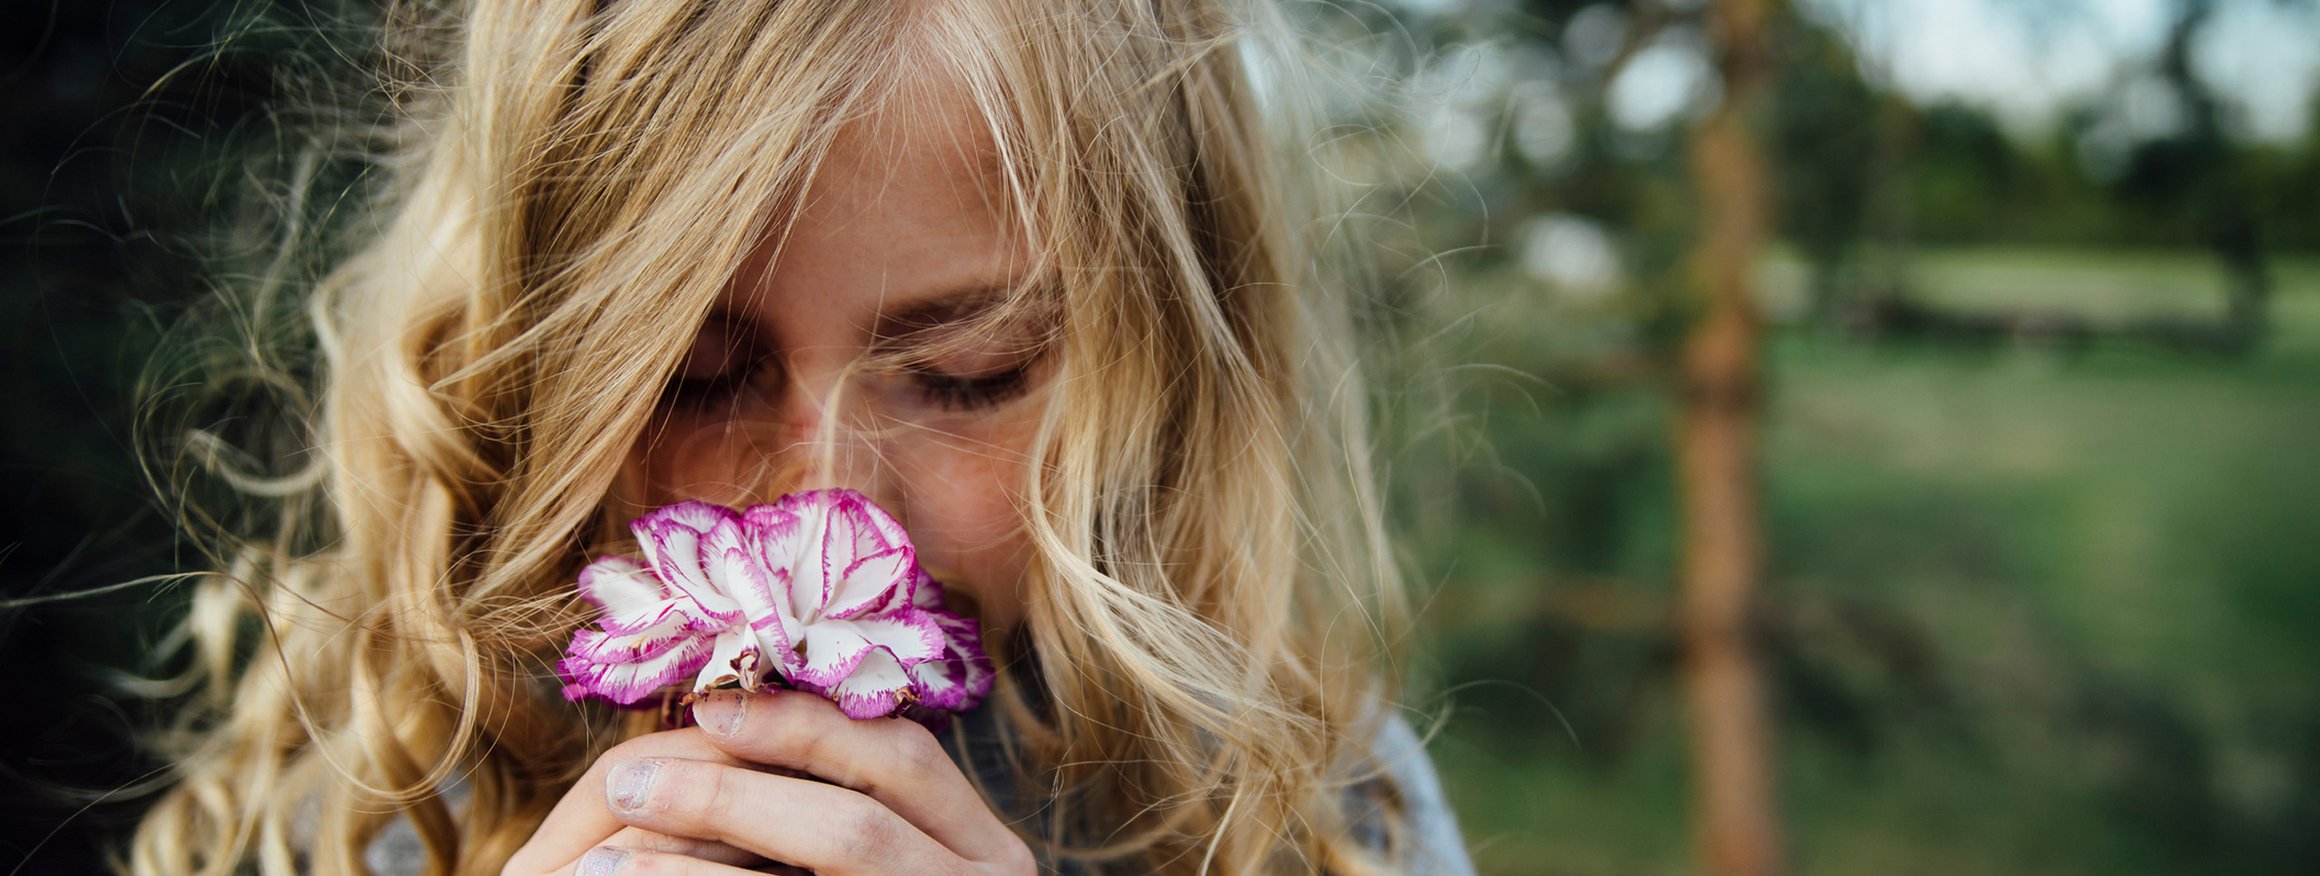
{"x":960,"y":504}
{"x":699,"y":457}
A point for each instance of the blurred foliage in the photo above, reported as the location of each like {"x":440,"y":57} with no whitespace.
{"x":123,"y":126}
{"x":2039,"y":485}
{"x":2040,"y":498}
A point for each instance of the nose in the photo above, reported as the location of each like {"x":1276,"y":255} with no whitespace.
{"x":819,"y":442}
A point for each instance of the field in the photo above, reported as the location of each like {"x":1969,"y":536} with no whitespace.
{"x":2036,"y":610}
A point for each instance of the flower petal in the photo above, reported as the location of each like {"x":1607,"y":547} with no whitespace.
{"x":962,"y":678}
{"x":692,"y":514}
{"x":620,"y":585}
{"x":834,"y":647}
{"x":672,"y":540}
{"x":831,"y":651}
{"x":869,"y":526}
{"x":809,"y":570}
{"x":736,"y":660}
{"x":925,"y":592}
{"x":875,"y":689}
{"x":776,"y":537}
{"x":601,"y":647}
{"x":940,"y":684}
{"x":870,"y":583}
{"x":677,"y":612}
{"x":842,"y":533}
{"x":737,"y":568}
{"x":777,"y":531}
{"x":599,"y":671}
{"x":724,"y":572}
{"x":764,"y":606}
{"x":912,"y":637}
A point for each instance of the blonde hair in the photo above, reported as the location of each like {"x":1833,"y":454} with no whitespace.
{"x":565,"y":193}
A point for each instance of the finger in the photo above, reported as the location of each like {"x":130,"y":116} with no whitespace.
{"x":822,"y":827}
{"x":609,"y":860}
{"x":706,"y":850}
{"x":580,"y":821}
{"x":897,"y":763}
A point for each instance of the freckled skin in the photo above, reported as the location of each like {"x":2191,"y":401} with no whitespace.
{"x":904,"y":210}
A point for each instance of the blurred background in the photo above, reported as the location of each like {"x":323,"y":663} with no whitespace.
{"x":1832,"y":436}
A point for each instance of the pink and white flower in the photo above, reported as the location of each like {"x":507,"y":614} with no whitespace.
{"x":820,"y":591}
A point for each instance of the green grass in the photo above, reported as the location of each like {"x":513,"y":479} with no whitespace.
{"x":2111,"y":556}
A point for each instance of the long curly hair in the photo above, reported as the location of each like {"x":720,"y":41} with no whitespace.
{"x":553,"y":197}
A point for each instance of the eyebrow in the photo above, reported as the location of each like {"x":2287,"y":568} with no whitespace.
{"x":927,"y":313}
{"x":964,"y":305}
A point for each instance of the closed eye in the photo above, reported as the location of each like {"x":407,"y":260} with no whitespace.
{"x":725,"y":355}
{"x":968,"y":351}
{"x":956,"y":392}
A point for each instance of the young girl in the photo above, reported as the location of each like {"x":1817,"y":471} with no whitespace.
{"x":1034,"y":276}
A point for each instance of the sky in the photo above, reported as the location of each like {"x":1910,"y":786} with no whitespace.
{"x":2025,"y":59}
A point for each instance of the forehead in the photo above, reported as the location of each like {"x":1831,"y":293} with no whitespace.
{"x":909,"y":205}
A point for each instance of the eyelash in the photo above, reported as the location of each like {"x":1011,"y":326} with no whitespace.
{"x":700,"y":392}
{"x":953,"y":392}
{"x":950,"y":392}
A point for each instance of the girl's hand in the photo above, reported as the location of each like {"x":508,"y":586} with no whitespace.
{"x":702,"y":800}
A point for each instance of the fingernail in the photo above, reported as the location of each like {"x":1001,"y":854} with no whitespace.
{"x":720,"y":713}
{"x":601,"y":861}
{"x":632,"y":783}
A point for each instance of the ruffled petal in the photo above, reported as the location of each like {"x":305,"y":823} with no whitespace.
{"x":672,"y":537}
{"x":870,"y":583}
{"x":620,"y":585}
{"x":940,"y":684}
{"x":962,"y":677}
{"x":779,"y":649}
{"x":739,"y":571}
{"x":869,"y":526}
{"x":912,"y":637}
{"x":853,"y":528}
{"x":875,"y":689}
{"x":925,"y":592}
{"x":736,"y":660}
{"x":834,"y":647}
{"x":777,"y":531}
{"x":598,"y":666}
{"x":692,"y":514}
{"x":676,"y":613}
{"x":778,"y":538}
{"x":810,"y":576}
{"x":831,"y":651}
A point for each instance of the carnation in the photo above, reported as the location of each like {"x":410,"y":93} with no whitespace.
{"x":819,"y":591}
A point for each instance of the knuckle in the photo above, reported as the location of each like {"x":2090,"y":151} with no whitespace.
{"x":788,"y":741}
{"x":868,"y":830}
{"x":695,"y":791}
{"x":1010,"y":855}
{"x":1017,"y":858}
{"x":915,"y":750}
{"x":654,"y":841}
{"x":650,"y":863}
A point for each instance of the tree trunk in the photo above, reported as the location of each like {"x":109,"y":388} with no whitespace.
{"x":1738,"y":829}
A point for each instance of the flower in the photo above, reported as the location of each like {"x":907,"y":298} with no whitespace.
{"x":820,"y":591}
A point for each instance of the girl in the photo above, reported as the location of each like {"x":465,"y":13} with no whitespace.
{"x":1029,"y":274}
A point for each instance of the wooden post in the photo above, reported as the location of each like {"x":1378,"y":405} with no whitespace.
{"x":1737,"y":815}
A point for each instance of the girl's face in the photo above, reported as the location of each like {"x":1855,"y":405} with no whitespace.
{"x":863,"y":325}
